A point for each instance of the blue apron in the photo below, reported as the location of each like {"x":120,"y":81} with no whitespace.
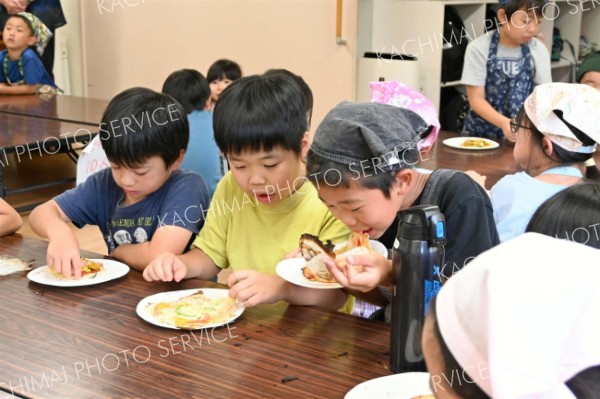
{"x":506,"y":94}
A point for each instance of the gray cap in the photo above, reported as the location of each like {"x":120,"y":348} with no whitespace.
{"x":353,"y":132}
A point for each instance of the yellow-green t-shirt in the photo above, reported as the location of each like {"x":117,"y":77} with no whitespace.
{"x":243,"y":233}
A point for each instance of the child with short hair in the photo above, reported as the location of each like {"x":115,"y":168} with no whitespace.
{"x":10,"y":220}
{"x":362,"y":162}
{"x":521,"y":321}
{"x":501,"y":68}
{"x":557,"y":130}
{"x":588,"y":72}
{"x":21,"y":70}
{"x":142,"y":204}
{"x":190,"y":88}
{"x":221,"y":74}
{"x":264,"y":203}
{"x":571,"y":214}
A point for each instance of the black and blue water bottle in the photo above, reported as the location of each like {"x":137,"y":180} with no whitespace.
{"x":417,"y":262}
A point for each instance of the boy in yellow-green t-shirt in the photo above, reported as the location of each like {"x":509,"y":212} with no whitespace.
{"x":262,"y":206}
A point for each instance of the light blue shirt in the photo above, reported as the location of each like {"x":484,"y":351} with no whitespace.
{"x":516,"y":197}
{"x":202,"y":153}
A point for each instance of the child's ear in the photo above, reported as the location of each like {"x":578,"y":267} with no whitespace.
{"x":304,"y":146}
{"x":547,"y":146}
{"x":31,"y":41}
{"x":403,"y":182}
{"x":178,"y":161}
{"x":501,"y":14}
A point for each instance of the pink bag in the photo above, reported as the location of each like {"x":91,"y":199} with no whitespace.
{"x":403,"y":96}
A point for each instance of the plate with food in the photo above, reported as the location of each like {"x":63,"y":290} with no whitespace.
{"x":95,"y":271}
{"x":191,"y":309}
{"x":310,"y":270}
{"x":471,"y":143}
{"x":397,"y":386}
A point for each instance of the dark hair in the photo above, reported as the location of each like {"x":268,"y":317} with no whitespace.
{"x":306,"y":91}
{"x":324,"y":172}
{"x":512,"y":6}
{"x":257,"y":113}
{"x":569,"y":214}
{"x":561,"y":155}
{"x":222,"y":69}
{"x":584,"y":385}
{"x":140,"y":123}
{"x":27,"y":22}
{"x":189,"y":87}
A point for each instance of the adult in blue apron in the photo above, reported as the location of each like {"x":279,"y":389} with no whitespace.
{"x":505,"y":94}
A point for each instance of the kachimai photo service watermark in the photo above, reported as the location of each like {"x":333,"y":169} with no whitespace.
{"x":109,"y":6}
{"x":521,"y":18}
{"x":469,"y":375}
{"x":110,"y":362}
{"x":115,"y":128}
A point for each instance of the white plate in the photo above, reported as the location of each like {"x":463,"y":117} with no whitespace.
{"x":291,"y":269}
{"x":397,"y":386}
{"x":456,"y":142}
{"x":112,"y":270}
{"x":172,"y":296}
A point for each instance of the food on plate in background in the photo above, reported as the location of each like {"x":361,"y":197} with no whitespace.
{"x":478,"y":143}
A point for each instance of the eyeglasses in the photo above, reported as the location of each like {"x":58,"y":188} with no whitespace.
{"x":514,"y":126}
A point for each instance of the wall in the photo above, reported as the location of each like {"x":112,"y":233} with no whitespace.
{"x":68,"y":60}
{"x":139,"y":42}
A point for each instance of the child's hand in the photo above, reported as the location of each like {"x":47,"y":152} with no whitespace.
{"x":165,"y":267}
{"x":362,"y":272}
{"x":508,"y":134}
{"x":253,"y":288}
{"x":63,"y":256}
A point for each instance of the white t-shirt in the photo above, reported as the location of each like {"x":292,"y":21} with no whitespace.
{"x":476,"y":57}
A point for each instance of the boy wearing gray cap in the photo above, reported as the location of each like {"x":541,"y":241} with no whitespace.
{"x":362,"y":163}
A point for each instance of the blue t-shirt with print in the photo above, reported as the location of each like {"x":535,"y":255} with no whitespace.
{"x":181,"y":201}
{"x":32,"y":70}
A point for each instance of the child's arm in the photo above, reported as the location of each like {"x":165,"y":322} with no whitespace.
{"x":478,"y":103}
{"x":10,"y":220}
{"x":16,"y":90}
{"x":49,"y":221}
{"x":170,"y":267}
{"x":254,"y":288}
{"x":166,"y":239}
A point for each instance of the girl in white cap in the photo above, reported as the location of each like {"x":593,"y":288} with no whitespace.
{"x":557,"y":130}
{"x":520,"y":321}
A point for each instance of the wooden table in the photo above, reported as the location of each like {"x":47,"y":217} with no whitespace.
{"x":81,"y":110}
{"x":494,"y":163}
{"x":30,"y":137}
{"x":88,"y":342}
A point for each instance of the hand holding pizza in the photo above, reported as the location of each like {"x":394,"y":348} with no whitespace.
{"x":362,"y":272}
{"x":63,"y":256}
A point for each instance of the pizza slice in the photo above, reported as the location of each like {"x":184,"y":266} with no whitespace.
{"x":315,"y":253}
{"x":89,"y":270}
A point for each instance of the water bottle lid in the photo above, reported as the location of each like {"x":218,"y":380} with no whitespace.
{"x":422,"y":223}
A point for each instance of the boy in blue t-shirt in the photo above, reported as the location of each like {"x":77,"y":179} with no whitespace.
{"x":21,"y":70}
{"x":143,"y":204}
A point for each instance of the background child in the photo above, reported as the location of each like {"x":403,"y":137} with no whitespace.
{"x":571,"y":214}
{"x":220,"y":75}
{"x":21,"y":71}
{"x":361,"y":161}
{"x":10,"y":220}
{"x":589,"y":71}
{"x":190,"y":88}
{"x":501,"y":68}
{"x":142,"y":204}
{"x":263,"y":205}
{"x":521,"y":321}
{"x":557,"y":130}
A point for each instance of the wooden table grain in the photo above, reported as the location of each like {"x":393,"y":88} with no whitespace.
{"x":494,"y":163}
{"x":66,"y":108}
{"x":88,"y":342}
